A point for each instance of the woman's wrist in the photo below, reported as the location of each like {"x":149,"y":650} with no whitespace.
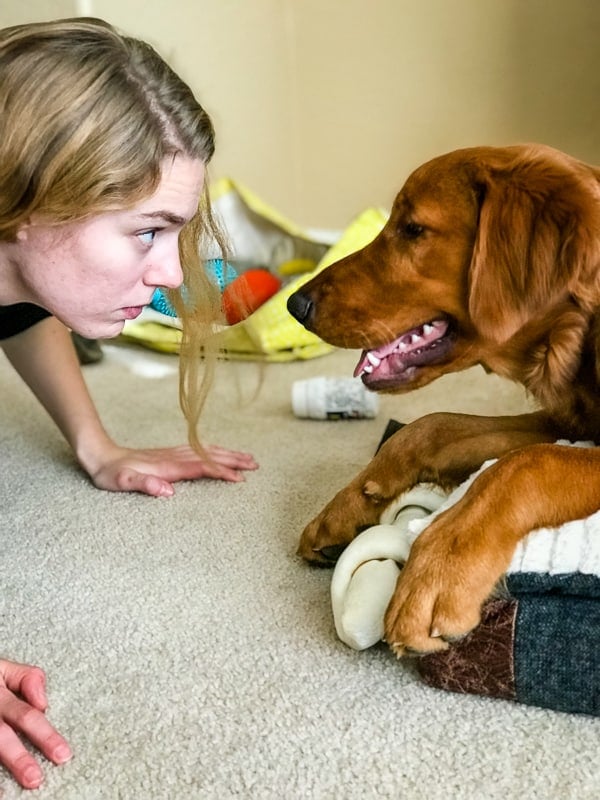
{"x":94,"y":448}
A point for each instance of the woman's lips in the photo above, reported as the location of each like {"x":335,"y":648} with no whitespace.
{"x":131,"y":312}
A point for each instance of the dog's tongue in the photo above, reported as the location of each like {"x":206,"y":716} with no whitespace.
{"x":372,"y":358}
{"x":409,"y":341}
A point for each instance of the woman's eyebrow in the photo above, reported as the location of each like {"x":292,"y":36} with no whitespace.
{"x":168,"y":216}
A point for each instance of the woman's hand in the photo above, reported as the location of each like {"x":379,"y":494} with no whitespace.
{"x":154,"y":472}
{"x":23,"y":702}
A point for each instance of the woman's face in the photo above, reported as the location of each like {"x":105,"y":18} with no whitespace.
{"x":94,"y":275}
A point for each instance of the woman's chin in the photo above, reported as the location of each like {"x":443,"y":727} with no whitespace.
{"x":100,"y":331}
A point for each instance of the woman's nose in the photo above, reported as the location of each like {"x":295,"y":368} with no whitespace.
{"x":166,"y":273}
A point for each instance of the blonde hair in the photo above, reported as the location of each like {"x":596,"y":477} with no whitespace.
{"x":87,"y":117}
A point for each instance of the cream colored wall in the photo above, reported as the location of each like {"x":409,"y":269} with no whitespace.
{"x":403,"y":81}
{"x":15,"y":12}
{"x":324,"y":106}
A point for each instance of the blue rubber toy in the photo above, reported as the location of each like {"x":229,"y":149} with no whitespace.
{"x":221,"y":273}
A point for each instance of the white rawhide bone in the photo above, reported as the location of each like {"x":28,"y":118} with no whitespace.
{"x":365,"y":576}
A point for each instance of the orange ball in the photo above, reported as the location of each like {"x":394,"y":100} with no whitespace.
{"x":247,"y":293}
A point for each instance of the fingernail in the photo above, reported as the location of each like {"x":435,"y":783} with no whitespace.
{"x":61,"y":754}
{"x":32,"y":777}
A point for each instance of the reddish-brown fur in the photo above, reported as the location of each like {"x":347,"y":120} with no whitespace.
{"x":504,"y":243}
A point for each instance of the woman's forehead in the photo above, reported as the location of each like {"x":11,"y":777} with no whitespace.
{"x":176,"y":197}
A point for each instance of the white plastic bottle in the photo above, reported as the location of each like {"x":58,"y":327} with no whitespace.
{"x":333,"y":398}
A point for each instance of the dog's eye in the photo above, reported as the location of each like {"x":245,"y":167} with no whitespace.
{"x":412,"y":230}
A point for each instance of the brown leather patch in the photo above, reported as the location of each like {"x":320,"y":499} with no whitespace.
{"x":482,"y":662}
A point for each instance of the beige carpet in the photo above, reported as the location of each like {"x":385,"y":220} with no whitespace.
{"x":191,"y":655}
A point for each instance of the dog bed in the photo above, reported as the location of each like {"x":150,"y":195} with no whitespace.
{"x":538,"y":643}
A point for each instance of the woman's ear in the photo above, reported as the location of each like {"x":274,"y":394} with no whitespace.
{"x":534,"y":241}
{"x":24,"y":227}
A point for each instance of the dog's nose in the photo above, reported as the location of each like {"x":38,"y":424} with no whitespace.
{"x":300,"y":306}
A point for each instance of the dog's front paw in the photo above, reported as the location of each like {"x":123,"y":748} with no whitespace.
{"x":321,"y":546}
{"x":355,"y":508}
{"x":441,"y":590}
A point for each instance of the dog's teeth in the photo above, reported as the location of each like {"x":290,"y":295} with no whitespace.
{"x":373,"y":359}
{"x":427,"y":329}
{"x":368,"y":368}
{"x":415,"y":338}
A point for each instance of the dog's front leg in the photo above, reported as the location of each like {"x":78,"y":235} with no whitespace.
{"x":439,"y":448}
{"x":456,"y":562}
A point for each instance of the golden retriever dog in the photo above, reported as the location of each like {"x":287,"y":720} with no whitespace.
{"x":491,"y":256}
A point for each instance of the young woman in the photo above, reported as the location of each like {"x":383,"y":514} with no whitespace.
{"x":103,"y":151}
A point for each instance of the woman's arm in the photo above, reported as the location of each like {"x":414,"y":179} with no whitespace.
{"x":45,"y":358}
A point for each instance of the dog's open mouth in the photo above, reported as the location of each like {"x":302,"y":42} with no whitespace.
{"x":396,"y":363}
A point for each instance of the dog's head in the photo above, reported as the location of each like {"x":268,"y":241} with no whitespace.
{"x":481,"y":243}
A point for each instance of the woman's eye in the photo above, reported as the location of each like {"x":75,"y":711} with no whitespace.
{"x":147,"y":237}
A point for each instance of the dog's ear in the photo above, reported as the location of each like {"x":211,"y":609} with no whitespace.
{"x":536,"y":244}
